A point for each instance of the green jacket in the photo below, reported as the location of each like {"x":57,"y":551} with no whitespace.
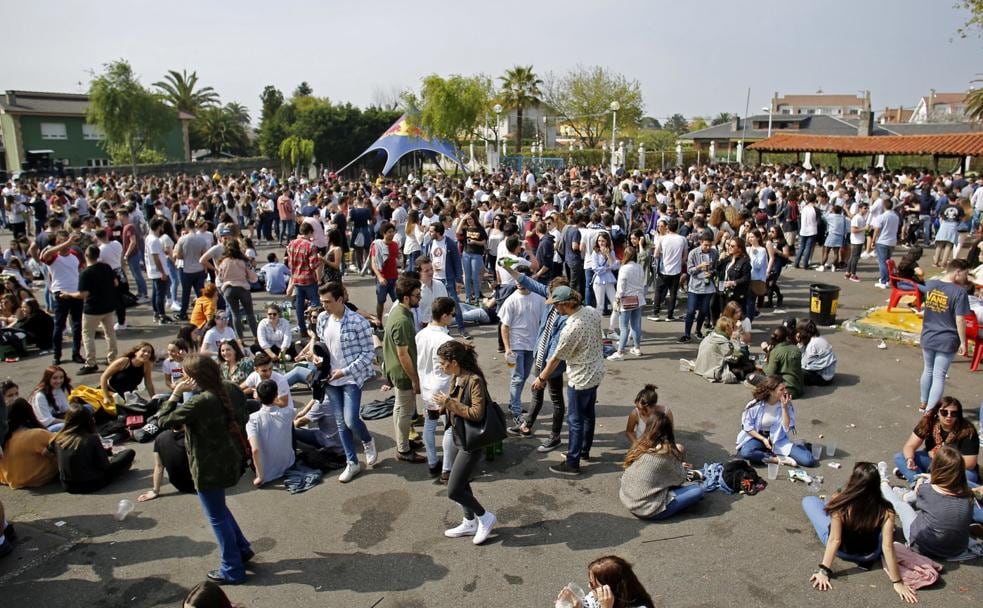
{"x":214,"y":453}
{"x":785,"y":360}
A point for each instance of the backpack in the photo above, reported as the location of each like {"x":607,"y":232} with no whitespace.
{"x":740,"y":476}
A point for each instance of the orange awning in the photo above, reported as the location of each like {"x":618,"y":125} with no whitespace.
{"x":957,"y":144}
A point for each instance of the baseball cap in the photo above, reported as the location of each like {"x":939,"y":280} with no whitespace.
{"x":563,"y":293}
{"x":225,"y":231}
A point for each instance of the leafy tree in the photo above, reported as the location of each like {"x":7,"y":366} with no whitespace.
{"x":303,"y":90}
{"x":648,"y":122}
{"x":298,"y":151}
{"x":975,"y":20}
{"x":239,"y":111}
{"x":451,"y":108}
{"x":583,"y":98}
{"x":697,"y":123}
{"x":974,"y":103}
{"x":722,"y":118}
{"x":220,"y":130}
{"x":133,"y":119}
{"x":180,"y":91}
{"x":677,"y":124}
{"x":520,"y":89}
{"x":272,"y":99}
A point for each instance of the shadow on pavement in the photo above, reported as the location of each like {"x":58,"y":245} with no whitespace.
{"x":359,"y":572}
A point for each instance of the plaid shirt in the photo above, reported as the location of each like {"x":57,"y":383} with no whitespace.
{"x":302,"y":261}
{"x":356,"y":344}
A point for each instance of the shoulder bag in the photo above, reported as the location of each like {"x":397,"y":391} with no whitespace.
{"x":473,"y":435}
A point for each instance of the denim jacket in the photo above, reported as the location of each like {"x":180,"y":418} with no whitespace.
{"x":777,"y":435}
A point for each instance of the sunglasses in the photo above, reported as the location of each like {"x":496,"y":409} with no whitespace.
{"x":949,"y":413}
{"x":272,"y":314}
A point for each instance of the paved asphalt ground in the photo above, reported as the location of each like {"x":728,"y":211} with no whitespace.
{"x":378,"y":542}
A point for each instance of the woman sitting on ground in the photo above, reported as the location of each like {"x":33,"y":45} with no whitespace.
{"x":25,"y":461}
{"x":646,"y":403}
{"x":654,"y":483}
{"x":818,"y":358}
{"x":940,"y":526}
{"x":856,"y":525}
{"x":50,"y":397}
{"x":37,"y":324}
{"x":205,"y":306}
{"x":170,"y":455}
{"x":766,"y":425}
{"x":613,"y":584}
{"x":717,"y":350}
{"x":944,"y":425}
{"x":84,"y":466}
{"x":234,"y":363}
{"x":783,"y":359}
{"x":126,"y":373}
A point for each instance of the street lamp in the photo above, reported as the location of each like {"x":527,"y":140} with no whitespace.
{"x":768,"y":109}
{"x":615,"y":106}
{"x":497,"y":109}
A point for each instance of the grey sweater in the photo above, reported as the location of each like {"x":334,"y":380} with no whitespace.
{"x":646,"y":483}
{"x":941,"y":528}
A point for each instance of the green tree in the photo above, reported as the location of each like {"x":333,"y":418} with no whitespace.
{"x":240,"y":112}
{"x":451,"y":108}
{"x":648,"y":122}
{"x":520,"y":89}
{"x":272,"y":99}
{"x":303,"y":90}
{"x":180,"y":91}
{"x":722,"y":118}
{"x":677,"y":124}
{"x":697,"y":123}
{"x":583,"y":98}
{"x":220,"y":130}
{"x":299,"y":152}
{"x":133,"y":119}
{"x":975,"y":20}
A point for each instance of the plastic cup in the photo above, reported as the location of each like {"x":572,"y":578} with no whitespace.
{"x":123,"y":508}
{"x":817,"y":450}
{"x":511,"y":359}
{"x":831,"y":449}
{"x":772,"y":470}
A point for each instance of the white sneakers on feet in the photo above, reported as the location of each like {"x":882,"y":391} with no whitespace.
{"x":615,"y":356}
{"x":880,"y":285}
{"x":350,"y":472}
{"x":371,"y":455}
{"x":787,"y":461}
{"x":468,"y":527}
{"x":637,"y":352}
{"x":485,"y":524}
{"x":176,"y":307}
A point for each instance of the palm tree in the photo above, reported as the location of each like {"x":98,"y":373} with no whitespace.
{"x":520,"y":88}
{"x":722,"y":118}
{"x":974,"y":103}
{"x":219,"y":130}
{"x":239,"y":111}
{"x":181,"y":93}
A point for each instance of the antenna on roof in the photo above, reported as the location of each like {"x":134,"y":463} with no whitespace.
{"x":820,"y":91}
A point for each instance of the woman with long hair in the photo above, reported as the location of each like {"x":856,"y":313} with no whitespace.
{"x":25,"y":461}
{"x":83,"y":463}
{"x":818,"y":358}
{"x":234,"y":277}
{"x":234,"y":363}
{"x":126,"y":373}
{"x":413,"y":243}
{"x":629,"y":300}
{"x":779,"y":255}
{"x":468,"y":399}
{"x":334,"y":259}
{"x":940,"y":526}
{"x":50,"y":397}
{"x":639,"y":419}
{"x":604,"y":282}
{"x":758,"y":256}
{"x":213,"y":422}
{"x":654,"y":483}
{"x":475,"y":245}
{"x":613,"y":584}
{"x":943,"y":425}
{"x":856,"y":525}
{"x":205,"y":306}
{"x":767,"y":424}
{"x":734,"y":271}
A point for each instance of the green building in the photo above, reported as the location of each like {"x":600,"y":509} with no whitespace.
{"x":43,"y":128}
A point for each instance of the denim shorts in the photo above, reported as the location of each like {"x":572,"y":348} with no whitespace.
{"x":381,"y":291}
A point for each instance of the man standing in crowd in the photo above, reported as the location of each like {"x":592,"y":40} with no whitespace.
{"x":157,"y":269}
{"x":519,"y":316}
{"x":64,"y":265}
{"x":885,"y":238}
{"x":430,"y":290}
{"x":581,"y":346}
{"x":447,"y":266}
{"x":573,"y":257}
{"x":189,"y":248}
{"x":384,"y":254}
{"x":808,"y":231}
{"x":132,"y":250}
{"x":943,"y":329}
{"x":433,"y":379}
{"x":97,"y":286}
{"x":399,"y":362}
{"x":305,"y":272}
{"x":669,"y":254}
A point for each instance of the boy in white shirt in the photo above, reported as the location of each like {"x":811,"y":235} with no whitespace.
{"x":270,"y":432}
{"x":432,"y":376}
{"x":520,"y":315}
{"x":264,"y":371}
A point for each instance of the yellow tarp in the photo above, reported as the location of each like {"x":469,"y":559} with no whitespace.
{"x":900,"y":319}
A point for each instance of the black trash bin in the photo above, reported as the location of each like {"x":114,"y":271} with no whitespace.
{"x":823,"y":299}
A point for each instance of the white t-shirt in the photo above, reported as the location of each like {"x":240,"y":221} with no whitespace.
{"x":175,"y":369}
{"x":282,"y":388}
{"x":154,"y":248}
{"x":214,"y":337}
{"x":64,"y":273}
{"x":674,"y":248}
{"x":438,"y":255}
{"x":331,"y":336}
{"x":424,"y":312}
{"x":809,"y":222}
{"x":111,"y":253}
{"x":272,"y":427}
{"x":522,"y":312}
{"x":432,"y":376}
{"x":858,"y":221}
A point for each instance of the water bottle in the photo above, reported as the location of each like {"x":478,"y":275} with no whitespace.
{"x":577,"y":593}
{"x":123,"y":508}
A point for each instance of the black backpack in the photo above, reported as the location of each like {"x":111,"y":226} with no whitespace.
{"x":740,"y":476}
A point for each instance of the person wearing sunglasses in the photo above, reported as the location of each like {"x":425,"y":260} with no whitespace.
{"x":944,"y":425}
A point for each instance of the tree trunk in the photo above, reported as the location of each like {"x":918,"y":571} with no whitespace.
{"x":133,"y":158}
{"x":518,"y":130}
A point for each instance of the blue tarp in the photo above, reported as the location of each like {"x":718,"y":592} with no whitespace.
{"x":403,"y":138}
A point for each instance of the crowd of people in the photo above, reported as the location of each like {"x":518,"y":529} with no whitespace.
{"x":544,"y":258}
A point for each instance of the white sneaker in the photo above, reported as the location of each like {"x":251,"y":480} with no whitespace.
{"x":880,"y":285}
{"x":821,"y":268}
{"x":787,"y":461}
{"x":371,"y":455}
{"x":485,"y":524}
{"x":635,"y":351}
{"x":864,"y":255}
{"x":119,"y":327}
{"x":468,"y":527}
{"x":175,"y":307}
{"x":616,"y":356}
{"x":350,"y":472}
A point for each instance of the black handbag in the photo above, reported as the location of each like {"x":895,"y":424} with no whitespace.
{"x":472,"y":436}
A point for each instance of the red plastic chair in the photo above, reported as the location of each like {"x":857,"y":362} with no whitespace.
{"x":901,"y":287}
{"x":973,"y":337}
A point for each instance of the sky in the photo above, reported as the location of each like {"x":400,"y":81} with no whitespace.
{"x":692,"y":58}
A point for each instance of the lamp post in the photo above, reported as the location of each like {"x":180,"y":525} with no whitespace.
{"x":497,"y":109}
{"x":615,"y":106}
{"x":768,"y":109}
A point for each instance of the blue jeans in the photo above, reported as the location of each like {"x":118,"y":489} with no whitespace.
{"x":159,"y":294}
{"x":815,"y":510}
{"x":755,"y":451}
{"x":174,"y":275}
{"x":684,"y":497}
{"x":231,"y":543}
{"x":806,"y":245}
{"x":523,"y":365}
{"x":588,"y":290}
{"x":136,"y":270}
{"x":580,"y":423}
{"x":304,"y":295}
{"x":190,"y":281}
{"x":346,"y":400}
{"x":884,"y":253}
{"x":288,"y":230}
{"x":452,"y":294}
{"x":698,"y":307}
{"x":473,"y":263}
{"x":430,"y":439}
{"x":630,"y":319}
{"x":926,"y":229}
{"x":411,"y":261}
{"x":300,"y":374}
{"x":923,"y":464}
{"x":65,"y":310}
{"x":933,"y":375}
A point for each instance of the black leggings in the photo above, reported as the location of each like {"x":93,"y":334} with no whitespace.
{"x":118,"y":464}
{"x":812,"y":378}
{"x":556,"y":396}
{"x":459,"y":484}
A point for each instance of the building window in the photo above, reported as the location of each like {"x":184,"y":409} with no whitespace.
{"x":92,"y":132}
{"x":53,"y":130}
{"x":98,"y":162}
